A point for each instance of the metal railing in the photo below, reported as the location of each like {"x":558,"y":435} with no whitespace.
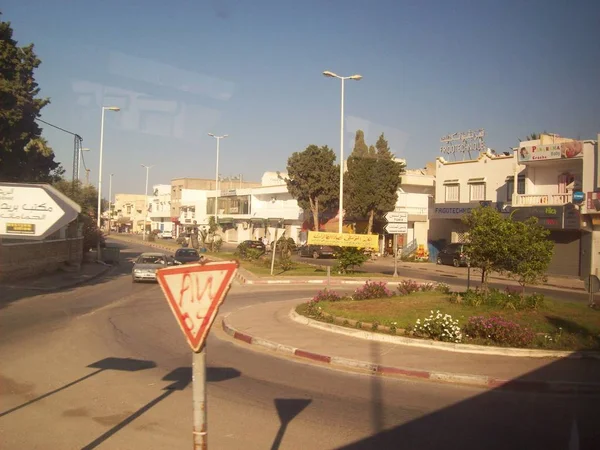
{"x":409,"y":248}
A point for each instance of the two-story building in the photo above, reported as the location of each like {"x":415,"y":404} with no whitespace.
{"x":554,"y":172}
{"x":129,"y":213}
{"x":461,"y":186}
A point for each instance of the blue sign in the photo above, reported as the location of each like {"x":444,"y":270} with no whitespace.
{"x":578,"y":196}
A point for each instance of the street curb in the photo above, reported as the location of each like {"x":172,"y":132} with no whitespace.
{"x":62,"y":286}
{"x":444,"y":346}
{"x":556,"y":387}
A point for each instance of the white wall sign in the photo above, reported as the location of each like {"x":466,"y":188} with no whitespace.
{"x":463,"y":142}
{"x":33,"y":211}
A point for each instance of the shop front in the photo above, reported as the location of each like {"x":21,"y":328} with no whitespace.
{"x":564,"y":224}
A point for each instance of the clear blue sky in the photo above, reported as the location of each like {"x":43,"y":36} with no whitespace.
{"x":252,"y":69}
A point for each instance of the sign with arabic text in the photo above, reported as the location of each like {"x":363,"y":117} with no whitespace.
{"x":343,"y":239}
{"x":463,"y":142}
{"x":34,"y":211}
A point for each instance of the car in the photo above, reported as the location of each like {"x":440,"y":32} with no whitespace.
{"x":146,"y":265}
{"x":187,"y":255}
{"x":453,"y":254}
{"x":166,"y":235}
{"x":249,"y":244}
{"x":317,"y":251}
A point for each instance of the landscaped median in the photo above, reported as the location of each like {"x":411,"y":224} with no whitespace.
{"x":431,"y":311}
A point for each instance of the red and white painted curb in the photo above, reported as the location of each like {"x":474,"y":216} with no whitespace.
{"x":554,"y":387}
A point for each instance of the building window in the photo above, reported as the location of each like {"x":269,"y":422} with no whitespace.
{"x":452,"y":192}
{"x":477,"y":192}
{"x":510,"y":187}
{"x":128,"y":210}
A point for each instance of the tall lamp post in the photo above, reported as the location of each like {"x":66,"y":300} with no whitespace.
{"x":327,"y":73}
{"x":218,"y":138}
{"x":104,"y":108}
{"x":146,"y":200}
{"x":110,"y":200}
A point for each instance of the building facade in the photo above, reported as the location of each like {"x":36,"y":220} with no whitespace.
{"x":461,"y":186}
{"x":129,"y":212}
{"x":159,"y":208}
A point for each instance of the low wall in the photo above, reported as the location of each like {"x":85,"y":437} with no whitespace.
{"x":25,"y":259}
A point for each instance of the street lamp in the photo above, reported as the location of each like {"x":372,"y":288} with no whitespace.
{"x":329,"y":74}
{"x":218,"y":138}
{"x":104,"y":108}
{"x":146,"y":201}
{"x":80,"y":158}
{"x":110,"y":200}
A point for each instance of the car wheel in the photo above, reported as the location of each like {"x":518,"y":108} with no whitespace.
{"x":315,"y":255}
{"x":456,"y":262}
{"x":438,"y":261}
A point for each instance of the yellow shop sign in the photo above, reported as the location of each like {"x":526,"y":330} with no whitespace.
{"x":343,"y":239}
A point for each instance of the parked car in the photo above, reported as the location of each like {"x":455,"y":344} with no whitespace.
{"x":245,"y":245}
{"x":317,"y":251}
{"x":453,"y":254}
{"x":145,"y":267}
{"x":187,"y":255}
{"x":166,"y":235}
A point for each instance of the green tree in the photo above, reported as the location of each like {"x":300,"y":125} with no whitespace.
{"x":371,"y":182}
{"x":361,"y":148}
{"x":489,"y":240}
{"x":530,"y":252}
{"x":85,"y":196}
{"x":313,"y":180}
{"x":23,"y":155}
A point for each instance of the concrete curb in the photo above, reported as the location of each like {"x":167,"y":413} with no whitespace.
{"x":445,"y":346}
{"x":443,"y":377}
{"x":558,"y":387}
{"x":64,"y":285}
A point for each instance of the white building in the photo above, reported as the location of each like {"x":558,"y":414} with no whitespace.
{"x":129,"y":211}
{"x":461,"y":186}
{"x":159,"y":208}
{"x":414,"y":195}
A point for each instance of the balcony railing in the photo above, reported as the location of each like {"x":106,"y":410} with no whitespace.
{"x":541,"y":199}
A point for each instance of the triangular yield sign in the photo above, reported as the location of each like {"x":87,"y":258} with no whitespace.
{"x":194,"y":293}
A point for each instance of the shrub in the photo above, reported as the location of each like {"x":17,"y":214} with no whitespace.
{"x":372,"y":289}
{"x":438,"y":327}
{"x":407,"y":287}
{"x":349,"y":258}
{"x":442,"y":288}
{"x":499,"y":331}
{"x":508,"y":298}
{"x":326,"y":295}
{"x":426,"y":287}
{"x":180,"y":240}
{"x":285,"y":263}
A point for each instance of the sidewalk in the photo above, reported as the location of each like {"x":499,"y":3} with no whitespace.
{"x":269,"y":326}
{"x":60,"y":279}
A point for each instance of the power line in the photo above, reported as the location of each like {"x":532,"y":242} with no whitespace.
{"x":59,"y":128}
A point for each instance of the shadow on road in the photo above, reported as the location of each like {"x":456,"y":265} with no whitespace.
{"x":10,"y":294}
{"x":120,"y":364}
{"x":525,"y":413}
{"x":180,"y":378}
{"x":287,"y":410}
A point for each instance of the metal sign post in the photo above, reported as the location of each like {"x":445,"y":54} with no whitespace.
{"x":592,"y":285}
{"x":395,"y":255}
{"x":194,"y":293}
{"x":199,"y":399}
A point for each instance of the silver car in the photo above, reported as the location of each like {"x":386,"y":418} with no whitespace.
{"x":145,"y":267}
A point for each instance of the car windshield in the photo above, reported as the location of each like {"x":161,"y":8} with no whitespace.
{"x":150,"y":260}
{"x":186,"y":253}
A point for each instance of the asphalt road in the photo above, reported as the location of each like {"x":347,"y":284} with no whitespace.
{"x":106,"y":366}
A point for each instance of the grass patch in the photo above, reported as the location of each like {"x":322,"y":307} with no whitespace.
{"x":568,"y":325}
{"x":263,"y":267}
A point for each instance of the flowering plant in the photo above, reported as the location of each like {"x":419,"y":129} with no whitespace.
{"x":438,"y":326}
{"x":406,"y":287}
{"x":372,"y":289}
{"x":326,"y":295}
{"x":499,"y":331}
